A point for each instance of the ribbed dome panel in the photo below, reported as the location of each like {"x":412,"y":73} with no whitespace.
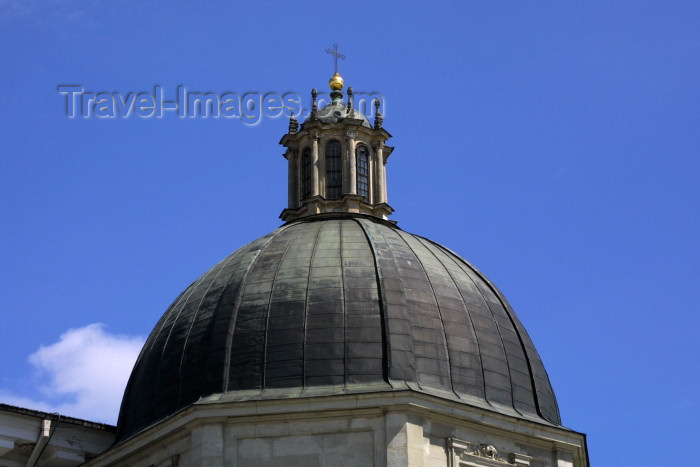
{"x":351,"y":304}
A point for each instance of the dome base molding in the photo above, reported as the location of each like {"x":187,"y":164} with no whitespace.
{"x":398,"y":428}
{"x":353,"y":204}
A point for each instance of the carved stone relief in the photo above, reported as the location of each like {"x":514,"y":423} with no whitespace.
{"x":467,"y":454}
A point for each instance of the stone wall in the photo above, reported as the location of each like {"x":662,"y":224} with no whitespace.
{"x":384,"y":433}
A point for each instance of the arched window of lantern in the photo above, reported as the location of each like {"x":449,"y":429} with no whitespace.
{"x":334,"y":171}
{"x":306,"y":188}
{"x":362,"y":155}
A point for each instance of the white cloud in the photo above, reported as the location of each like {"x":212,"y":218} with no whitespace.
{"x":83,"y":375}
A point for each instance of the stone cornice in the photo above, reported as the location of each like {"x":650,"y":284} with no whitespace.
{"x":224,"y":408}
{"x":308,"y":128}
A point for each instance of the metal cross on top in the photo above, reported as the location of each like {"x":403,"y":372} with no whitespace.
{"x":337,"y":55}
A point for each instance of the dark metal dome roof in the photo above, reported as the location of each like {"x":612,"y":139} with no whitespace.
{"x":344,"y":304}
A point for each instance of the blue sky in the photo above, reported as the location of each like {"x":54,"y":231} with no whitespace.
{"x":553,"y":144}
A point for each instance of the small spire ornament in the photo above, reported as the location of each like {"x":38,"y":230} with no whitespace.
{"x":314,"y":106}
{"x":293,"y":124}
{"x":351,"y":110}
{"x":378,"y":118}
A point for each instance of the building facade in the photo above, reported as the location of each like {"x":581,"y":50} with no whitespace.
{"x":31,"y":438}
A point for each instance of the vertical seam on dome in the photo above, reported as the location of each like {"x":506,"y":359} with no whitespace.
{"x":226,"y":349}
{"x":535,"y":394}
{"x":237,"y":304}
{"x":342,"y":280}
{"x":194,"y":318}
{"x":175,"y":320}
{"x":386,"y":347}
{"x":267,"y":315}
{"x":498,"y":328}
{"x":437,"y":305}
{"x":179,"y":311}
{"x":414,"y":371}
{"x":469,"y":316}
{"x":183,"y":299}
{"x":137,"y":367}
{"x":528,"y":357}
{"x":147,"y":347}
{"x":306,"y":308}
{"x":161,"y":322}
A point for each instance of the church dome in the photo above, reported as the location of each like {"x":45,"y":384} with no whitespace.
{"x":338,"y":304}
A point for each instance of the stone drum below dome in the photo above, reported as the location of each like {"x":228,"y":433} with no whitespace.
{"x":337,"y":304}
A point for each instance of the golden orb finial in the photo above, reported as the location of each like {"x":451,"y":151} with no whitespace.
{"x":336,"y":82}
